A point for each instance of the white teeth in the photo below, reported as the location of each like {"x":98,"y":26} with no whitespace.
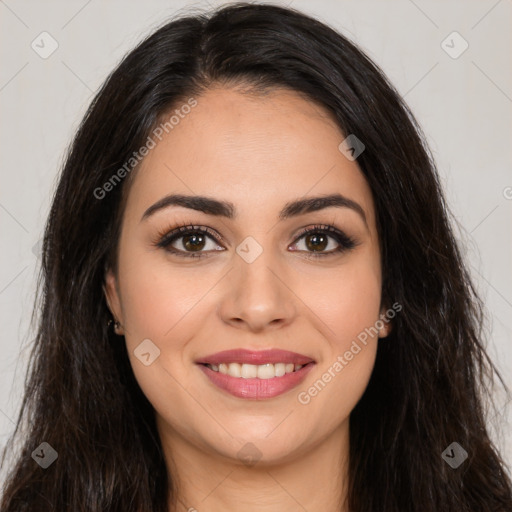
{"x":252,"y":371}
{"x":280,"y":369}
{"x":249,"y":371}
{"x":235,"y":370}
{"x":266,"y":371}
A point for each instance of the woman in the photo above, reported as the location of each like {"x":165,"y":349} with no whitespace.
{"x":252,"y":295}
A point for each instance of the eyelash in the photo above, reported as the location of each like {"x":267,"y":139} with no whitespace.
{"x":166,"y":237}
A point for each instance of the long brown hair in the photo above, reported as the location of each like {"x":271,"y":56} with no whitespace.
{"x":432,"y":377}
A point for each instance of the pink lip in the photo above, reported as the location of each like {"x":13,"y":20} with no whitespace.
{"x":242,"y":356}
{"x":257,"y":389}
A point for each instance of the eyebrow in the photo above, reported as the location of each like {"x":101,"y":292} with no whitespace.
{"x":226,"y":209}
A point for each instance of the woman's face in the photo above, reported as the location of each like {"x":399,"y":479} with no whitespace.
{"x":245,"y":276}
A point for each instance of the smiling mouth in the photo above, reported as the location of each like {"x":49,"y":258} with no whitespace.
{"x":256,"y":374}
{"x":252,"y":371}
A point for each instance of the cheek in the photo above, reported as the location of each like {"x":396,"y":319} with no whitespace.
{"x":167,"y":305}
{"x":346,"y":299}
{"x":160,"y":303}
{"x":348,"y":304}
{"x":157,"y":297}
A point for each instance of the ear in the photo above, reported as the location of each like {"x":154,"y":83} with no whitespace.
{"x":387,"y":327}
{"x":111,"y":291}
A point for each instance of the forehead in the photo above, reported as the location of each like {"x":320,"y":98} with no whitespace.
{"x":251,"y":150}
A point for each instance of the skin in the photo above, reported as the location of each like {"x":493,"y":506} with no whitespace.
{"x":258,"y":152}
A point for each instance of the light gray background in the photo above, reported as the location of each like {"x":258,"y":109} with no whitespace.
{"x":463,"y":104}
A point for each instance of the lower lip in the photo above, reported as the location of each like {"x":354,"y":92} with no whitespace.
{"x":257,"y":389}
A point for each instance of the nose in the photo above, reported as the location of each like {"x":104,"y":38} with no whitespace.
{"x":257,"y":296}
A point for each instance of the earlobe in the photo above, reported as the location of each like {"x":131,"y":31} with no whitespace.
{"x":111,"y":293}
{"x":384,"y":325}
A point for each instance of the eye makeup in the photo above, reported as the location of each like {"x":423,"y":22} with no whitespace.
{"x":197,"y":235}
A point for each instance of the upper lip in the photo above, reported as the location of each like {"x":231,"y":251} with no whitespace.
{"x":242,"y":356}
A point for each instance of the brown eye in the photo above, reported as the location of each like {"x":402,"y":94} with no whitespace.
{"x":189,"y":241}
{"x":326,"y":240}
{"x":317,"y":242}
{"x":194,"y":242}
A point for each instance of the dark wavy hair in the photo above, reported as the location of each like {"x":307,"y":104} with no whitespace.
{"x":432,"y":379}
